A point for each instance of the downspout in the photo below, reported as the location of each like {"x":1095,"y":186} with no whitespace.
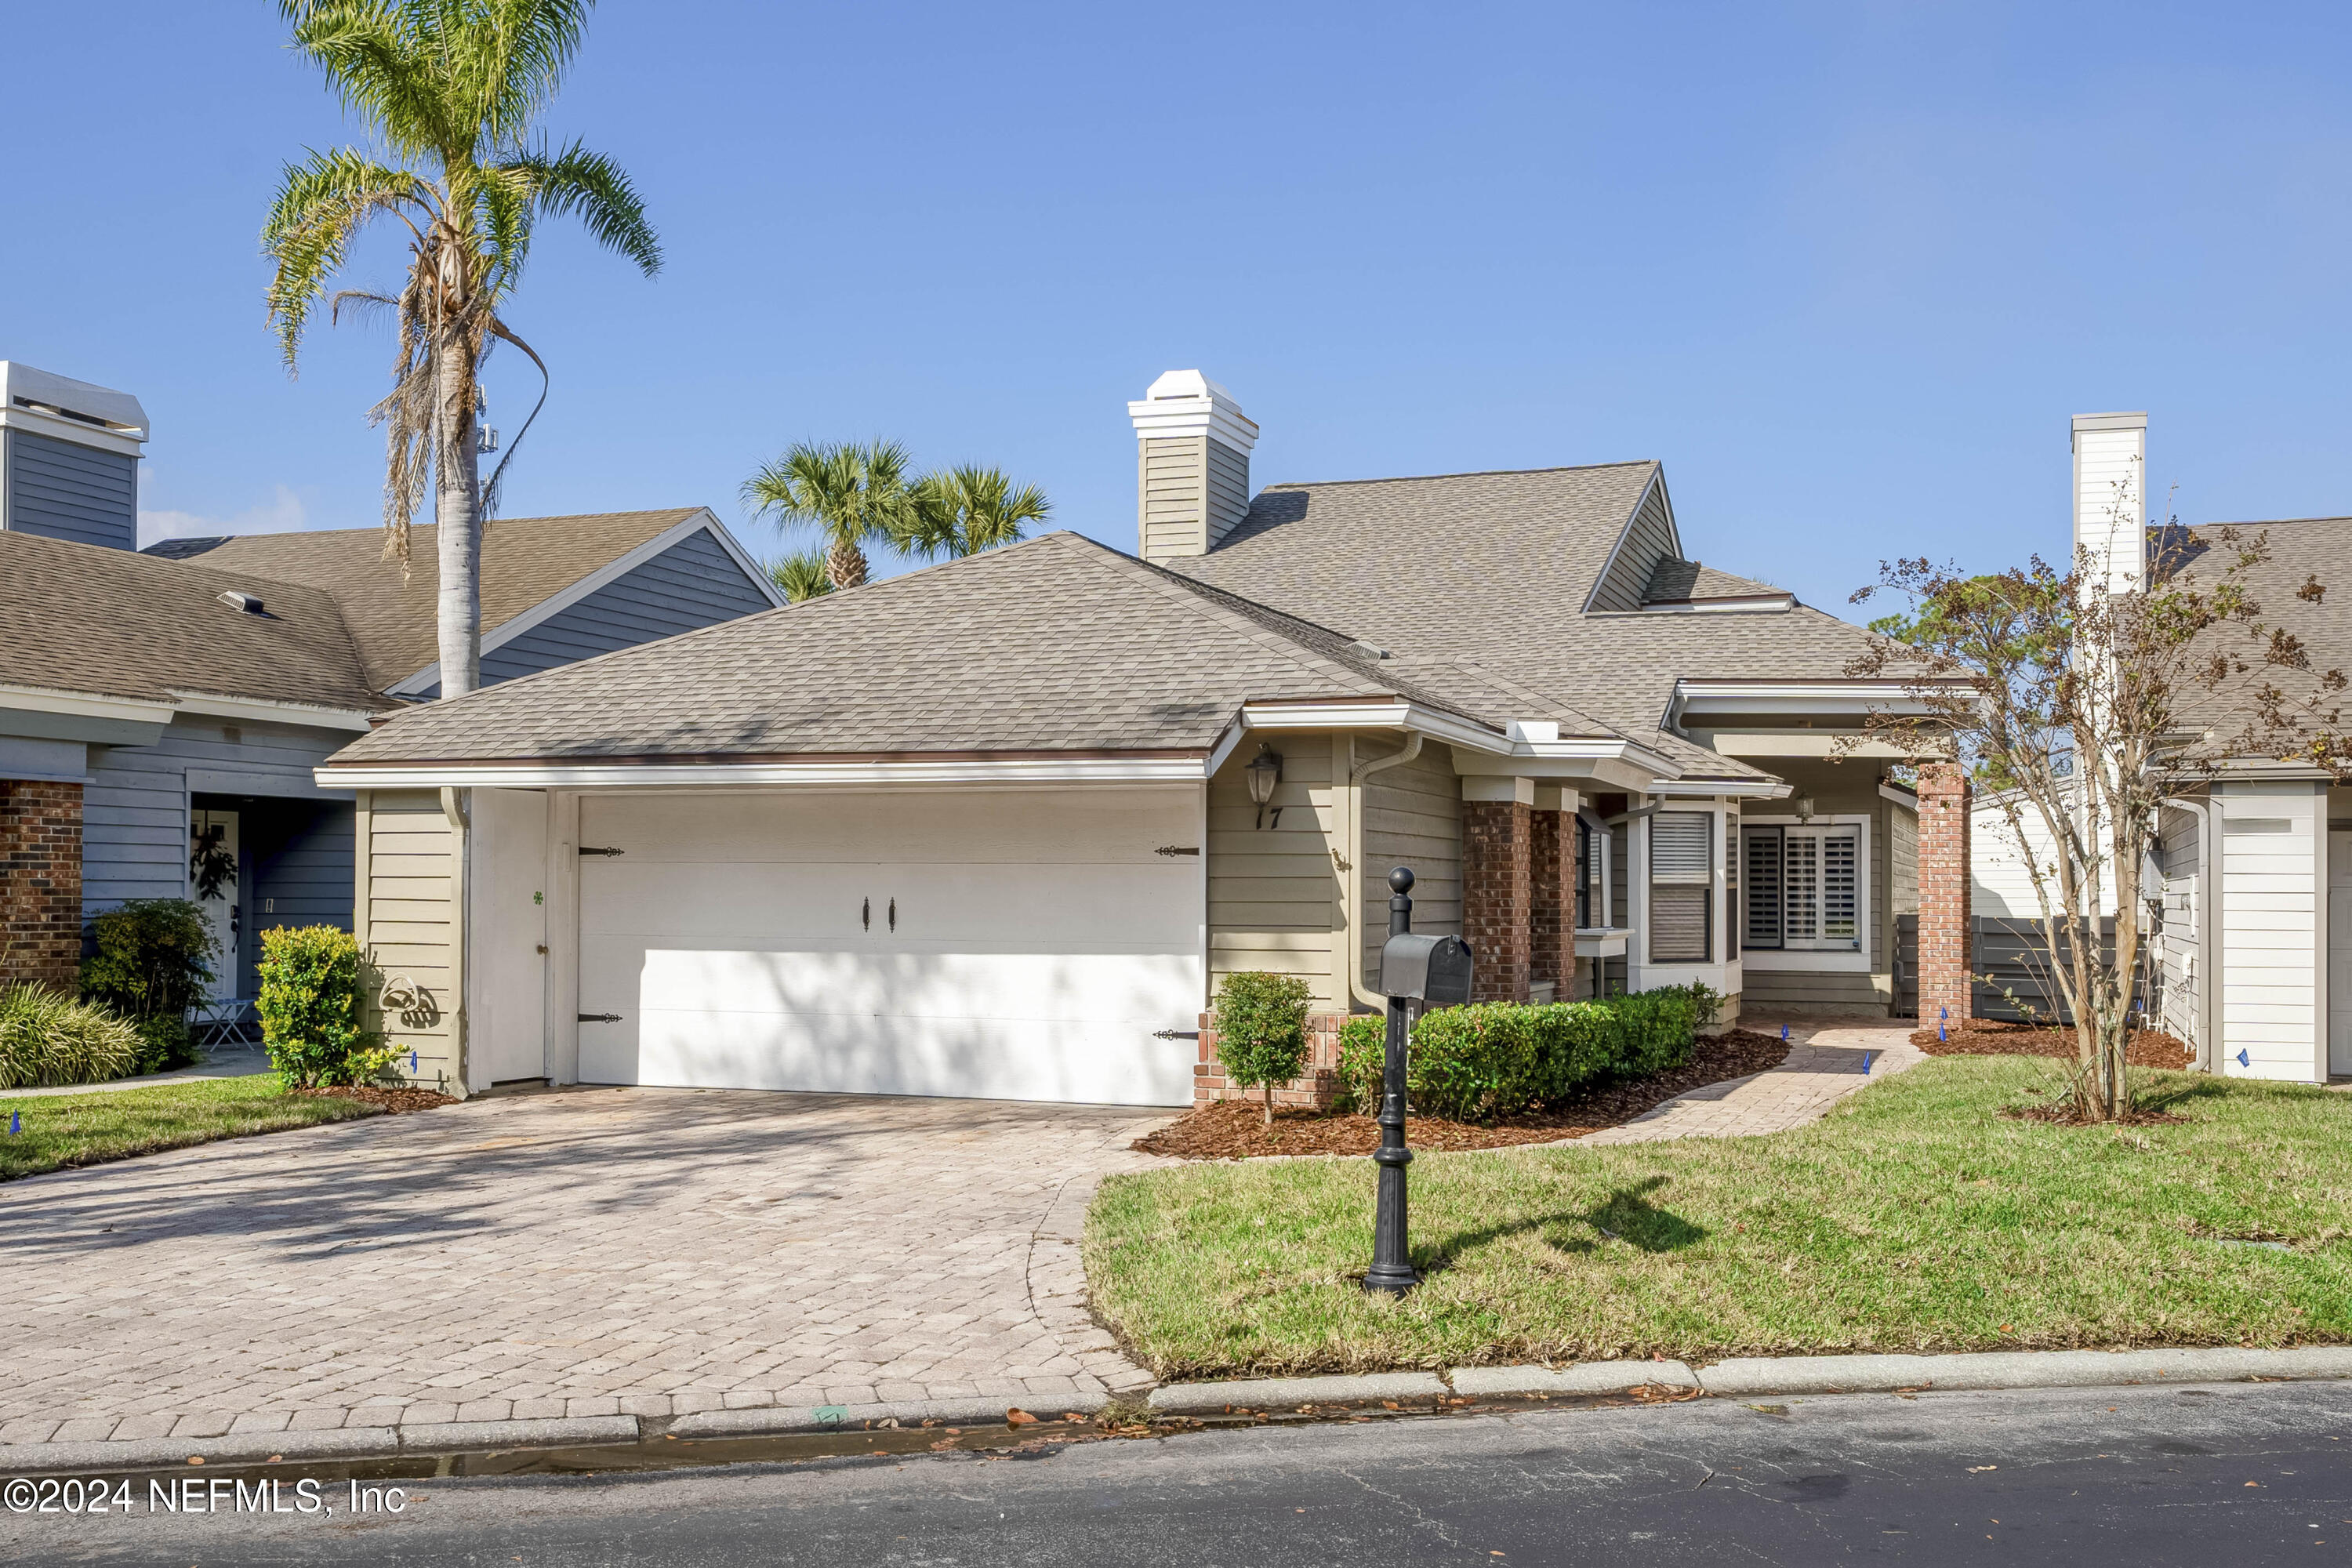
{"x":1350,"y":905}
{"x":452,"y":808}
{"x":2209,"y":930}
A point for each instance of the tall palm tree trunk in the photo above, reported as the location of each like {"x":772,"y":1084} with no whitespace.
{"x":845,"y":564}
{"x":457,"y":514}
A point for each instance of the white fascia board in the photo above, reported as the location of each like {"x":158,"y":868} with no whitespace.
{"x":1185,"y":403}
{"x":1798,"y":744}
{"x":1728,"y":605}
{"x":1742,"y":789}
{"x":207,"y":705}
{"x":2270,"y":768}
{"x":1844,"y":698}
{"x":1899,"y":795}
{"x":620,"y":566}
{"x":85,"y":705}
{"x":41,"y":422}
{"x":658,"y":776}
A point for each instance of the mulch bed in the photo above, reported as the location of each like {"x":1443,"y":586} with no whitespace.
{"x":1992,"y":1037}
{"x":1236,"y":1129}
{"x":394,"y":1100}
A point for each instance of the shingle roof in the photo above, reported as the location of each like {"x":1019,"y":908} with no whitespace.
{"x":2300,"y":551}
{"x":525,"y":559}
{"x":1058,"y":644}
{"x":76,"y":618}
{"x":1493,"y":570}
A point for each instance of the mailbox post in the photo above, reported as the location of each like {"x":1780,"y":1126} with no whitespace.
{"x":1426,"y":969}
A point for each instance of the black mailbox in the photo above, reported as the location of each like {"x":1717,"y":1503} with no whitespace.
{"x":1431,"y":969}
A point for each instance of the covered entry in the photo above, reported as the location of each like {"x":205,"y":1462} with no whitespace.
{"x":1001,"y":944}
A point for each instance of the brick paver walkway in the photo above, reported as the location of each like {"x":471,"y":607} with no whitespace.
{"x":1827,"y":1062}
{"x":584,"y":1253}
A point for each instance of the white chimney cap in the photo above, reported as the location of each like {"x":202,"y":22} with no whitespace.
{"x":70,"y":410}
{"x":1186,"y":403}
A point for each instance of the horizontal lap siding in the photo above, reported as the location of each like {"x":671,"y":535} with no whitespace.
{"x":2271,"y":888}
{"x":1228,"y":489}
{"x":135,"y":816}
{"x":2177,"y":940}
{"x":1412,"y":817}
{"x":411,"y":855}
{"x":1648,"y":539}
{"x":1171,"y":478}
{"x":693,"y":584}
{"x":62,"y":490}
{"x":1272,"y":890}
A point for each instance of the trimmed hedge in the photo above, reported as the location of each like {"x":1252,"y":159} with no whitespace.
{"x":1493,"y":1059}
{"x":310,"y":1009}
{"x":1261,"y":1024}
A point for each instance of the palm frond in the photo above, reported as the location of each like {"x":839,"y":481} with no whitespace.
{"x":595,"y":187}
{"x":801,"y":576}
{"x":966,"y":509}
{"x":321,"y":204}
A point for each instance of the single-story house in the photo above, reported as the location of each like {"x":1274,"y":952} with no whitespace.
{"x":999,"y":827}
{"x":162,"y":713}
{"x":2251,"y":948}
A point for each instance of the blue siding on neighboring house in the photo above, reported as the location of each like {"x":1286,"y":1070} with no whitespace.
{"x":694,"y":583}
{"x":135,"y":816}
{"x":62,"y":490}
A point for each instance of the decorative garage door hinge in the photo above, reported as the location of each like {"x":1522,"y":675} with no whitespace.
{"x":1172,"y":850}
{"x":599,"y":1017}
{"x":1175,"y":1034}
{"x":591,"y":849}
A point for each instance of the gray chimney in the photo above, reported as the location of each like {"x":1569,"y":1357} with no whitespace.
{"x":68,"y":458}
{"x":1193,"y":452}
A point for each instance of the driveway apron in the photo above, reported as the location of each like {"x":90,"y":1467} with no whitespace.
{"x":584,"y":1252}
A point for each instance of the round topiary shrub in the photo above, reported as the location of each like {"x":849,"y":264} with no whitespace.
{"x":1261,"y":1024}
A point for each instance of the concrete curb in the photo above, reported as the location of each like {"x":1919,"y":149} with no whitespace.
{"x":782,"y":1421}
{"x":1584,"y":1377}
{"x":326,"y":1443}
{"x":1288,"y":1393}
{"x":2017,"y":1369}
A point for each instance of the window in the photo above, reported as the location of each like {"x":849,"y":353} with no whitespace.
{"x":1803,"y":888}
{"x":1682,"y":887}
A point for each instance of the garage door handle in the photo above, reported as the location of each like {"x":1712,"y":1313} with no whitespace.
{"x":866,"y":914}
{"x":894,"y":914}
{"x":599,"y":1017}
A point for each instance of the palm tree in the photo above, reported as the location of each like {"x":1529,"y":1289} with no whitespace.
{"x":964,"y":510}
{"x":801,"y":577}
{"x":852,"y":496}
{"x":450,"y":89}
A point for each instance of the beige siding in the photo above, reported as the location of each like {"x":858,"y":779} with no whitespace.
{"x":1228,"y":498}
{"x":407,"y":866}
{"x":1412,"y":817}
{"x":1172,"y":484}
{"x":2177,"y":941}
{"x":1648,"y":539}
{"x":1273,"y":891}
{"x":1902,"y":851}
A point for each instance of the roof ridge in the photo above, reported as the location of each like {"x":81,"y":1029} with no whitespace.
{"x":487,"y":522}
{"x":1463,"y":474}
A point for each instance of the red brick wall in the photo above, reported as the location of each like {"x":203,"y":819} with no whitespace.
{"x":1551,"y":916}
{"x":40,"y":881}
{"x":1497,"y":876}
{"x":1944,"y":898}
{"x":1316,"y":1086}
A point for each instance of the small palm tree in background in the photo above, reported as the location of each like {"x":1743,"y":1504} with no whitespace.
{"x":851,"y":495}
{"x":964,"y":510}
{"x":801,"y":577}
{"x":450,"y":88}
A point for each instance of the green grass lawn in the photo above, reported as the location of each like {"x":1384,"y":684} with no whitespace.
{"x":84,"y":1129}
{"x":1914,"y":1218}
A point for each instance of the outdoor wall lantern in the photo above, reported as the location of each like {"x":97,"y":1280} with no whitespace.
{"x":1804,"y":808}
{"x":1264,"y":773}
{"x":1435,"y":972}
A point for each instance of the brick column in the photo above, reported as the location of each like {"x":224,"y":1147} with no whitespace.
{"x":40,"y":881}
{"x":1497,"y":891}
{"x":1944,"y":900}
{"x":1549,"y":920}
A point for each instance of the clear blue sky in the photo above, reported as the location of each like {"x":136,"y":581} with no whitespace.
{"x":1846,"y":268}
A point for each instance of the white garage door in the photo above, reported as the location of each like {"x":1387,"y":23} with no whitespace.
{"x":1001,"y":944}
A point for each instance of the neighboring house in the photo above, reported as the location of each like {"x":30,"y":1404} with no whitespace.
{"x":2252,"y":891}
{"x":998,"y":827}
{"x":155,"y":707}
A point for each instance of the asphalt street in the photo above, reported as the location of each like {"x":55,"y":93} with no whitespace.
{"x":2229,"y":1473}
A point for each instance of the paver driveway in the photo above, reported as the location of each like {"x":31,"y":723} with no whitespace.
{"x":641,"y":1252}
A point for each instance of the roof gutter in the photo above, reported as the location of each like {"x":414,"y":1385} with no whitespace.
{"x":1143,"y":768}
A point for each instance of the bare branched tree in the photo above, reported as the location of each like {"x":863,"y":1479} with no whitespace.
{"x":2079,"y":701}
